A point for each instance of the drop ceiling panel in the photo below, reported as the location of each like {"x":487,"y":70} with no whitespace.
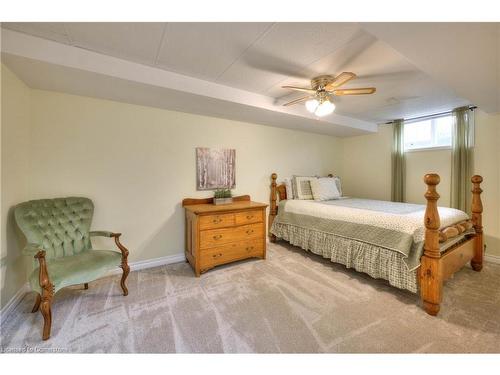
{"x":206,"y":50}
{"x":461,"y":56}
{"x":48,"y":30}
{"x":285,"y":51}
{"x":377,"y":59}
{"x":134,"y":41}
{"x":400,"y":95}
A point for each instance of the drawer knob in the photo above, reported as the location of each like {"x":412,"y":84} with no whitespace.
{"x":250,"y":231}
{"x":217,"y":237}
{"x":249,"y":217}
{"x":249,"y":248}
{"x":217,"y":255}
{"x":216,"y":221}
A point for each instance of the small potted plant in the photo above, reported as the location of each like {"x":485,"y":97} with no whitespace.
{"x":222,"y":196}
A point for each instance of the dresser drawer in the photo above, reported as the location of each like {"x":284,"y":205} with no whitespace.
{"x":231,"y":252}
{"x":216,"y":237}
{"x":248,"y":217}
{"x":216,"y":221}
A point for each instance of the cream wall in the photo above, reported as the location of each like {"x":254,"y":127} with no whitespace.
{"x":15,"y":172}
{"x":367,"y":171}
{"x":138,"y":163}
{"x":418,"y":163}
{"x":487,"y":164}
{"x":366,"y":165}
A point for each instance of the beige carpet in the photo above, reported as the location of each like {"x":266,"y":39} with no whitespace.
{"x":291,"y":302}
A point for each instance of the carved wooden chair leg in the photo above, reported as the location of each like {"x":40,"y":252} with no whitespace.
{"x":126,"y":270}
{"x":85,"y":285}
{"x":46,"y":310}
{"x":124,"y":265}
{"x":47,"y":294}
{"x":37,"y":303}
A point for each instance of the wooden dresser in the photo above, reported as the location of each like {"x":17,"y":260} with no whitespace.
{"x":224,"y":233}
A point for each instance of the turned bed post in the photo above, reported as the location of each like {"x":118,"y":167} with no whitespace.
{"x":431,"y":280}
{"x":477,"y":221}
{"x":273,"y":208}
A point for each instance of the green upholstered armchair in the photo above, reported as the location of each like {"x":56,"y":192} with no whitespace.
{"x":58,"y":235}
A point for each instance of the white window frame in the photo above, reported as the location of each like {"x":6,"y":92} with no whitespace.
{"x":433,"y":130}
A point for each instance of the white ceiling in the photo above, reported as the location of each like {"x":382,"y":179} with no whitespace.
{"x":464,"y":56}
{"x":417,"y":69}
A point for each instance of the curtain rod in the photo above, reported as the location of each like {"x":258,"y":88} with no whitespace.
{"x":472,"y":107}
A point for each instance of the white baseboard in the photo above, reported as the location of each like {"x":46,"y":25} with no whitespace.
{"x":134,"y":266}
{"x":150,"y":263}
{"x":492,"y":258}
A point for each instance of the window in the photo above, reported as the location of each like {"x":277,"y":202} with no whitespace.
{"x":429,"y":133}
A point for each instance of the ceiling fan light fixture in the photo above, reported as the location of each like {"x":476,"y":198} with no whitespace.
{"x":323,"y":88}
{"x":312,"y":105}
{"x":324,"y":109}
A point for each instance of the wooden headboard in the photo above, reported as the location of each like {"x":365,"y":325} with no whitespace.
{"x":280,"y":191}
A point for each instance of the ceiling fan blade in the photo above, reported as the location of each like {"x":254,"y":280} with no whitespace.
{"x":303,"y":89}
{"x":340,"y":80}
{"x":296,"y":101}
{"x":361,"y":91}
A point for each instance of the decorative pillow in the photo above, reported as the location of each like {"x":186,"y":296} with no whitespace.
{"x":289,"y":188}
{"x":301,"y":186}
{"x":338,"y":182}
{"x":324,"y":189}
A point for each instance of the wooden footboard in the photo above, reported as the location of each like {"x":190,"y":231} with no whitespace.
{"x":435,"y":266}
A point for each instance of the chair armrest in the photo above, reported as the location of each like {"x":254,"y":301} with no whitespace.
{"x":116,"y":236}
{"x":103,"y":233}
{"x":32,"y":249}
{"x":124,"y":264}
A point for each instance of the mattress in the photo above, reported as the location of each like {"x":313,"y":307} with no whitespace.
{"x":382,"y":239}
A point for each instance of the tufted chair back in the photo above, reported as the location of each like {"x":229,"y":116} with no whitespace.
{"x":60,"y":226}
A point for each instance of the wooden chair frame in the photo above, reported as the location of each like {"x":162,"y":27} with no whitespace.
{"x":43,"y":301}
{"x":436,"y":266}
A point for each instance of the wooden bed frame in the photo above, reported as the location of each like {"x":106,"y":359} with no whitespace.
{"x":436,"y":266}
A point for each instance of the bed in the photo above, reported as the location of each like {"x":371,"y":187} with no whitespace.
{"x":413,"y":247}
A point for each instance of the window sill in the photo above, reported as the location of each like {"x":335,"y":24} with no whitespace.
{"x":440,"y":148}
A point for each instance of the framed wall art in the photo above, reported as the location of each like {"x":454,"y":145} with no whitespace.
{"x":215,"y":168}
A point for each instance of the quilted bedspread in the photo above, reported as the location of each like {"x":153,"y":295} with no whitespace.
{"x":397,"y":227}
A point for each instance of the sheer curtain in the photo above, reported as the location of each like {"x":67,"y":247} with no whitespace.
{"x":398,"y":183}
{"x":462,"y":158}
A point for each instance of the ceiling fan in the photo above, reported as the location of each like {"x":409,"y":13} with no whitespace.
{"x":319,"y":100}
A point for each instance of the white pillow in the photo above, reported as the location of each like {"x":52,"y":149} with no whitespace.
{"x":324,"y":189}
{"x":338,"y":182}
{"x":302,"y":187}
{"x":288,"y":186}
